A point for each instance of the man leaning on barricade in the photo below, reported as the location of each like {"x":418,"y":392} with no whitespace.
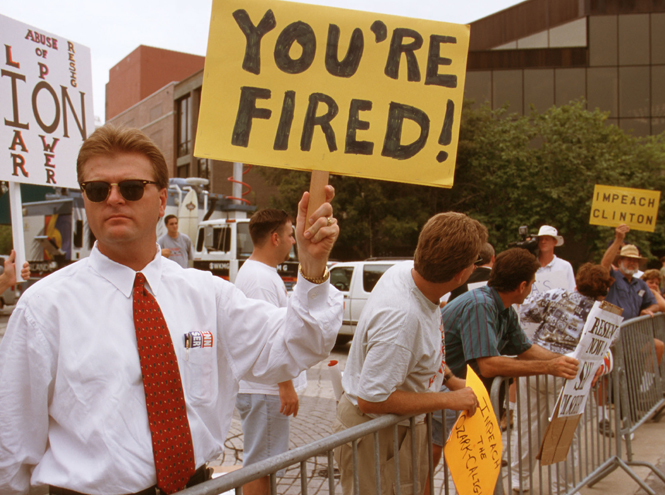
{"x":560,"y":316}
{"x":118,"y":373}
{"x":396,"y":361}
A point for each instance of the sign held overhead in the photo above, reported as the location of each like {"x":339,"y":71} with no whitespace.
{"x":317,"y":88}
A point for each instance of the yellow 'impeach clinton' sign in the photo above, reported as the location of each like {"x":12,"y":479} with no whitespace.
{"x":317,"y":88}
{"x":637,"y":208}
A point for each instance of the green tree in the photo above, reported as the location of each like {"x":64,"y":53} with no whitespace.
{"x":511,"y":170}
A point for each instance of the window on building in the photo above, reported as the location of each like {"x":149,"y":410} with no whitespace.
{"x":184,"y":120}
{"x":183,"y":171}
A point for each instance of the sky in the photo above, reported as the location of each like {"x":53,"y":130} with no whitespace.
{"x":113,"y":29}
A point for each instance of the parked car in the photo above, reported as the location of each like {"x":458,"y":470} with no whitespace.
{"x":11,"y":295}
{"x":356,"y":279}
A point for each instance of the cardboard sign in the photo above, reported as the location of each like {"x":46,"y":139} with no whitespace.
{"x":637,"y":208}
{"x":600,"y":330}
{"x":45,"y":105}
{"x":318,"y":88}
{"x":473,"y":451}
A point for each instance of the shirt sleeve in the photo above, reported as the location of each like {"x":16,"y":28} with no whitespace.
{"x":277,"y":343}
{"x":385,"y":368}
{"x":26,"y":374}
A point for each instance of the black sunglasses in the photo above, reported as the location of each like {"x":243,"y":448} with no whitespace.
{"x":98,"y":191}
{"x":479,"y":261}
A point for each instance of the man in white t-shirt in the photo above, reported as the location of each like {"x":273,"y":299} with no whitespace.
{"x":548,"y":239}
{"x":265,"y":409}
{"x":396,"y":361}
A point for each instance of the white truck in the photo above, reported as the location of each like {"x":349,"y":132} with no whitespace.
{"x":356,"y":279}
{"x":223,"y":245}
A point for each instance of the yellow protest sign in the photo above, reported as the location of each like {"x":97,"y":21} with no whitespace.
{"x":637,"y":208}
{"x":318,"y":88}
{"x":473,"y":451}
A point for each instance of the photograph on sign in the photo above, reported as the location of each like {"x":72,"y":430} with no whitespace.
{"x":46,"y":105}
{"x":613,"y":206}
{"x":319,"y":88}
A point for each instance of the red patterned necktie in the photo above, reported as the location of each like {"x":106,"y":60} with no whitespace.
{"x":167,"y":416}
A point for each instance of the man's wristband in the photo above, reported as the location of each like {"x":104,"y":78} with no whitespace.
{"x":315,"y":280}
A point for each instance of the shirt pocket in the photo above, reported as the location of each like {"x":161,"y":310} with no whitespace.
{"x":200,"y":371}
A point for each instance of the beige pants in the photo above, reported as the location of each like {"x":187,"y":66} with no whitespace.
{"x":349,"y":415}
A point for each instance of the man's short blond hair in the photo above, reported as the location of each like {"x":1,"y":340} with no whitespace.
{"x":109,"y":140}
{"x":448,"y":243}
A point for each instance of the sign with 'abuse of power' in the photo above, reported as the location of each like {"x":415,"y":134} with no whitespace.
{"x":45,"y":105}
{"x":317,"y":88}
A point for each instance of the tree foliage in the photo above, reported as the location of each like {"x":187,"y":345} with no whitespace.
{"x":511,"y":170}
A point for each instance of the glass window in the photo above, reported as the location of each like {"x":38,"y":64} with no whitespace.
{"x":478,"y":86}
{"x":657,"y":91}
{"x":634,"y":100}
{"x":657,"y":38}
{"x":340,"y":277}
{"x":184,"y":116}
{"x":602,"y":91}
{"x":539,"y":89}
{"x":570,"y":85}
{"x":634,"y":39}
{"x":636,"y":127}
{"x":221,"y":239}
{"x":508,"y":89}
{"x":603,"y":40}
{"x":245,"y":246}
{"x":203,"y":168}
{"x":183,"y":171}
{"x":372,"y":274}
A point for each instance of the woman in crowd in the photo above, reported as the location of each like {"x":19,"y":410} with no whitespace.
{"x":653,"y":278}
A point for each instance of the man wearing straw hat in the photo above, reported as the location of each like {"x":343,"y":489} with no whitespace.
{"x":628,"y":292}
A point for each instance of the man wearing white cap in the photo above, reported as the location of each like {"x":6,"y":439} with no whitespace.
{"x":548,"y":239}
{"x":628,"y":291}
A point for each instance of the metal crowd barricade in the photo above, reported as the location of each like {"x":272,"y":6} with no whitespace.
{"x":269,"y":467}
{"x":631,"y":395}
{"x":659,"y":333}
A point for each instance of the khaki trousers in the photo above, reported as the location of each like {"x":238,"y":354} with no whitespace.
{"x":349,"y":415}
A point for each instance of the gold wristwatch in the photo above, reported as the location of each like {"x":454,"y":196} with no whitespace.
{"x":315,"y":280}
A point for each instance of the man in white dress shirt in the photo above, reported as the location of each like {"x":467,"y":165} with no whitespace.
{"x":265,"y":408}
{"x":548,"y":239}
{"x":72,"y":401}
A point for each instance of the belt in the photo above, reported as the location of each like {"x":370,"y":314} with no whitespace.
{"x":202,"y":474}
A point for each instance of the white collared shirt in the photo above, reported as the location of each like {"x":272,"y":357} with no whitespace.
{"x":559,"y":265}
{"x":72,"y":404}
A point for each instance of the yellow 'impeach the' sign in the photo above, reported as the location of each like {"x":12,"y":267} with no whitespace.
{"x":637,"y":208}
{"x":317,"y":88}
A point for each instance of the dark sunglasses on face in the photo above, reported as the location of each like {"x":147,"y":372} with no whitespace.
{"x":98,"y":191}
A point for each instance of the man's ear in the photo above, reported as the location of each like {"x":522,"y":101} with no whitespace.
{"x":458,"y":277}
{"x":523,"y":286}
{"x":274,"y":238}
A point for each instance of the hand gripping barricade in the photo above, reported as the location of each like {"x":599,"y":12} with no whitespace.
{"x":618,"y":405}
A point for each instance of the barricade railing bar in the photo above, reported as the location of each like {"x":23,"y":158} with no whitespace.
{"x":618,"y":405}
{"x":236,"y":479}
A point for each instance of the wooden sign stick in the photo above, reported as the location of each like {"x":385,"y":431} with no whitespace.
{"x":317,"y":191}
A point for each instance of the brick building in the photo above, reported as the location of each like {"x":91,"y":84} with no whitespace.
{"x":159,"y":92}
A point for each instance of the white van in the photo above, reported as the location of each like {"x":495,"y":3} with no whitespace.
{"x":356,"y":279}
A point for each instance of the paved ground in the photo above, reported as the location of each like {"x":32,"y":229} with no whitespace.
{"x":317,"y":411}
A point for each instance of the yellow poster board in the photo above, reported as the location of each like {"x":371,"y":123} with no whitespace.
{"x":308,"y":87}
{"x":637,"y":208}
{"x":473,"y":451}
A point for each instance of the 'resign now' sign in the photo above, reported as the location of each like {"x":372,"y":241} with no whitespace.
{"x":318,"y":88}
{"x":45,"y":105}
